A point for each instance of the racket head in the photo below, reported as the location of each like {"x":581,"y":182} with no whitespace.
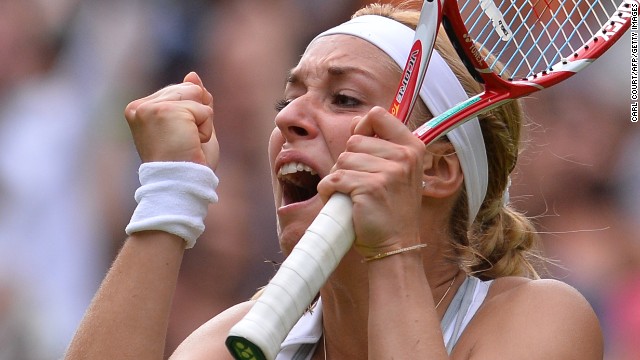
{"x":517,"y":47}
{"x":533,"y":43}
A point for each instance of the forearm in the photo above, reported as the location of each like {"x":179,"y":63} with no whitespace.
{"x":403,"y":322}
{"x":128,"y":316}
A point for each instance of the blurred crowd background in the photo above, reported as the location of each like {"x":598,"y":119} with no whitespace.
{"x":68,"y":166}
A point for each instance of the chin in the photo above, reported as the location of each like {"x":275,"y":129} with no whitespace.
{"x":294,"y":219}
{"x":288,"y":236}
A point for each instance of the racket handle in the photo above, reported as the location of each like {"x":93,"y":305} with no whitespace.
{"x":260,"y":333}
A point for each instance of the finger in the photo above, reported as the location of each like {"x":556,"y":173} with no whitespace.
{"x":337,"y":181}
{"x":361,"y":162}
{"x":130,"y":110}
{"x":379,"y":122}
{"x":204,"y":123}
{"x":399,"y":172}
{"x":175,"y":92}
{"x":379,"y":147}
{"x":171,"y":111}
{"x":202,"y":117}
{"x":182,"y":91}
{"x":351,"y":182}
{"x":132,"y":107}
{"x":211,"y":150}
{"x":194,"y":78}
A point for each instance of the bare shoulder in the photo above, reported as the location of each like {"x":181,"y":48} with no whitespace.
{"x":207,"y":342}
{"x":534,"y":319}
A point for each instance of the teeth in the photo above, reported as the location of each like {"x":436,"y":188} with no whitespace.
{"x":294,"y":167}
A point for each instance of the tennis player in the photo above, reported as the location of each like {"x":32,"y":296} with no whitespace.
{"x":441,"y":266}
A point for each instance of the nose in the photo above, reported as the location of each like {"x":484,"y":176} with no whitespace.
{"x":298,"y":120}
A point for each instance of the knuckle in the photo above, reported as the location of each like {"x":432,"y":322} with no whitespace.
{"x":131,"y":109}
{"x":337,"y":176}
{"x":418,"y":146}
{"x":148,"y":111}
{"x":343,"y":160}
{"x":143,"y":111}
{"x":407,"y":154}
{"x":209,"y":111}
{"x":353,"y":141}
{"x":191,"y":91}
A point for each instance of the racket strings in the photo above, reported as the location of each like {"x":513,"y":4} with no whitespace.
{"x":543,"y":33}
{"x":562,"y":40}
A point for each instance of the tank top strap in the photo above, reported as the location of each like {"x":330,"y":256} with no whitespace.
{"x":463,"y":307}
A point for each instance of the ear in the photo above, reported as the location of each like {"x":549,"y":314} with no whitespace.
{"x":442,"y":174}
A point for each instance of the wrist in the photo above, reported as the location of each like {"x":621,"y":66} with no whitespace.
{"x":398,"y":251}
{"x":174,"y":198}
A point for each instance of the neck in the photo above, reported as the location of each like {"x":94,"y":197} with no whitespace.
{"x":437,"y":257}
{"x":345,"y":299}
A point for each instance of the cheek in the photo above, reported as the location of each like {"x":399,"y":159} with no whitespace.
{"x":275,"y":145}
{"x":336,"y":137}
{"x":276,"y":140}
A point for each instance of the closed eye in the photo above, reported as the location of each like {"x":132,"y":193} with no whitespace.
{"x":281,"y":104}
{"x":338,"y":99}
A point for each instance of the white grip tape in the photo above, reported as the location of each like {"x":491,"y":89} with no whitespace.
{"x":300,"y":277}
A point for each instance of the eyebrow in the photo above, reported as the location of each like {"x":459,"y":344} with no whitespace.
{"x":334,"y":71}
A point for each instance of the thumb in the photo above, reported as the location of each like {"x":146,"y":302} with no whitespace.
{"x":193,"y":77}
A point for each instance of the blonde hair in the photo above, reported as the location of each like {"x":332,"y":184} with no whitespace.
{"x":500,"y":241}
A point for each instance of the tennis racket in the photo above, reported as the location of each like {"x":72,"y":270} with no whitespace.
{"x":260,"y":333}
{"x":539,"y":42}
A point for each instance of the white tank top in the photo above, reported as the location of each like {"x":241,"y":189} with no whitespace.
{"x":463,"y":307}
{"x":305,"y":335}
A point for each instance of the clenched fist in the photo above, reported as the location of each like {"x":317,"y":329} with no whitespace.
{"x":175,"y":124}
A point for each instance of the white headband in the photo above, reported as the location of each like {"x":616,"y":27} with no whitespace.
{"x":440,"y":91}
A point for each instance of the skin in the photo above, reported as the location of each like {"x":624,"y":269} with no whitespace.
{"x":335,"y":122}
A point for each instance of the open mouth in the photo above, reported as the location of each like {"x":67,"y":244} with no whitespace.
{"x":299,"y":182}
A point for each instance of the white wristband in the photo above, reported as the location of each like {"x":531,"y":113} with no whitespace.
{"x":174,"y":198}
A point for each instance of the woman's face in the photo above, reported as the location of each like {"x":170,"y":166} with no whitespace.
{"x":338,"y":77}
